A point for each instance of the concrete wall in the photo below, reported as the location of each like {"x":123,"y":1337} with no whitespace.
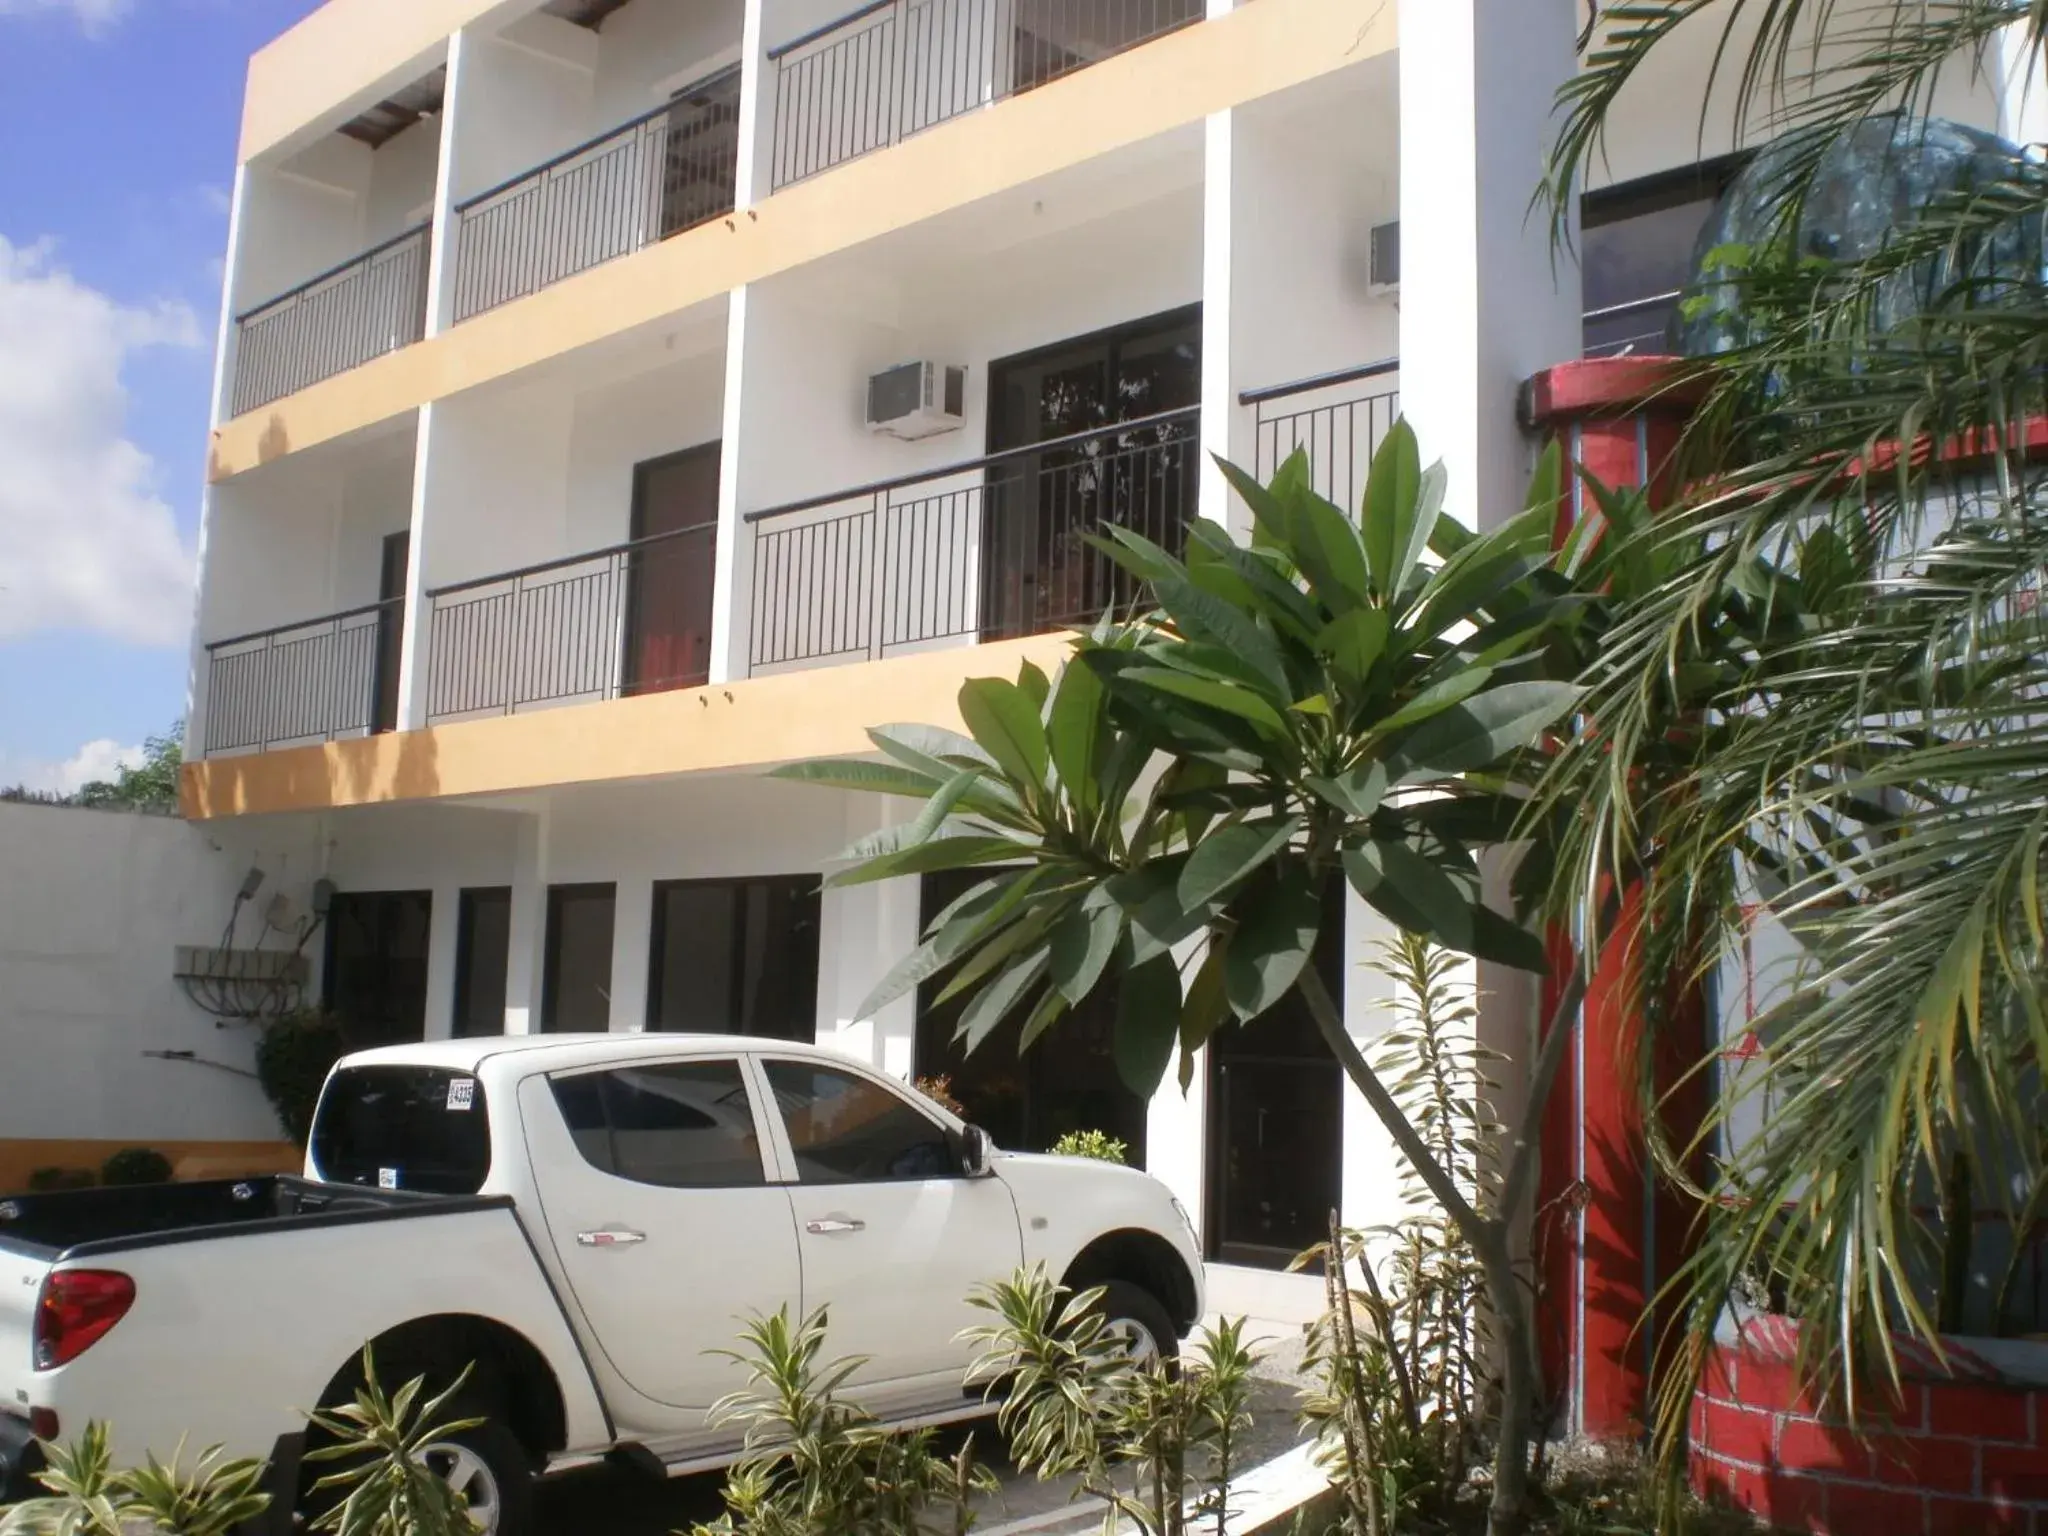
{"x":92,"y":907}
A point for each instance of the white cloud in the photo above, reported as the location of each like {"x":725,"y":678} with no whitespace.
{"x":85,"y":540}
{"x":100,"y":759}
{"x":95,"y":17}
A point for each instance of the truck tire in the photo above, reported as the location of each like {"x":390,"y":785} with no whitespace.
{"x":1138,"y":1317}
{"x":489,"y":1467}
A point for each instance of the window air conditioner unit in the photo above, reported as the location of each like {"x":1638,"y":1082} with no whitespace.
{"x":917,"y":400}
{"x":1385,"y":275}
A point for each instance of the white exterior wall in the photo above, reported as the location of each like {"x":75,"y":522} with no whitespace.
{"x":93,"y":905}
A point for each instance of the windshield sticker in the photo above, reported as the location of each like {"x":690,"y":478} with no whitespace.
{"x":387,"y":1178}
{"x":461,"y":1092}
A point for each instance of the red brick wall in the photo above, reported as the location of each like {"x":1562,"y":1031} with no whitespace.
{"x":1951,"y":1458}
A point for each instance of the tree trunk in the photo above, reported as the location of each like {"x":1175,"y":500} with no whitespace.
{"x":1490,"y":1236}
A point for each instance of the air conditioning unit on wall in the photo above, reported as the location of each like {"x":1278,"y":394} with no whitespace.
{"x":916,"y":400}
{"x":1384,"y":277}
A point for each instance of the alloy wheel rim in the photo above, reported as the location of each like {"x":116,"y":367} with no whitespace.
{"x":469,"y":1475}
{"x":1140,"y":1348}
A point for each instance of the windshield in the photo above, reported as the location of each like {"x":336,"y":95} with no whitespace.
{"x":424,"y":1128}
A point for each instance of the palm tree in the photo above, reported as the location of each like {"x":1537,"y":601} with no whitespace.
{"x":1820,"y":691}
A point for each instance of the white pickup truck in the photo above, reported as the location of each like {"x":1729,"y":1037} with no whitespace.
{"x":587,"y":1219}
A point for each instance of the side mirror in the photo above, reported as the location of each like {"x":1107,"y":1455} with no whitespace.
{"x":977,"y":1152}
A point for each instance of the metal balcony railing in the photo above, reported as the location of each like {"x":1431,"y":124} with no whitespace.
{"x":634,"y":618}
{"x":1338,"y":418}
{"x":1638,"y":326}
{"x":893,"y":67}
{"x":662,"y":173}
{"x":992,"y":548}
{"x":369,"y":305}
{"x":311,"y":681}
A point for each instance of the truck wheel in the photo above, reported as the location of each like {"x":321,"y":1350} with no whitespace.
{"x":488,"y":1466}
{"x":1135,"y":1316}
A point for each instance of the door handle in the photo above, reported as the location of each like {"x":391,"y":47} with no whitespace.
{"x":611,"y":1237}
{"x":831,"y":1224}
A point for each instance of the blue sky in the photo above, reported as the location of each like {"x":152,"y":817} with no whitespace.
{"x":118,"y":121}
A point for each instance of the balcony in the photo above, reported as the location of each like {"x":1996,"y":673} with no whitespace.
{"x":369,"y":305}
{"x":664,"y":172}
{"x":1338,"y":419}
{"x":992,"y":549}
{"x":896,"y":67}
{"x":312,"y":681}
{"x":632,"y":619}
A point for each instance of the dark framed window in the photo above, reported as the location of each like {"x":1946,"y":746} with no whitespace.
{"x":576,"y":986}
{"x":375,"y":976}
{"x":845,"y":1129}
{"x":1027,"y":1100}
{"x":736,"y":956}
{"x":483,"y":950}
{"x":1636,"y":247}
{"x":680,"y":1124}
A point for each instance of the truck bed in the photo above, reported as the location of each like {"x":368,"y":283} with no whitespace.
{"x":82,"y":1222}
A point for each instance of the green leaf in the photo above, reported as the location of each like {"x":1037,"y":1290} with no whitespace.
{"x":1227,"y":855}
{"x":1455,"y":689}
{"x":1031,"y":679}
{"x":858,"y":773}
{"x":974,"y":917}
{"x":1048,"y":1012}
{"x":999,"y":998}
{"x":1411,"y":891}
{"x":1355,"y":641}
{"x":940,"y":853}
{"x":1073,"y":733}
{"x":1272,"y":943}
{"x":929,"y":820}
{"x":1150,"y":897}
{"x":1231,"y":698}
{"x":1429,"y":501}
{"x":1082,"y":942}
{"x":929,"y":749}
{"x":1147,"y":1023}
{"x":1004,"y":720}
{"x":1496,"y":938}
{"x":1205,"y":1009}
{"x":1387,"y":516}
{"x":1480,"y":730}
{"x":1356,"y":791}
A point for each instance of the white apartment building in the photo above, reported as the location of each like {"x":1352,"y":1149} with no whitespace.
{"x":621,"y":397}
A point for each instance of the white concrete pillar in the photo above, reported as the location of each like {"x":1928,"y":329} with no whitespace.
{"x":443,"y":936}
{"x":1373,"y":1168}
{"x":1219,"y":401}
{"x":2022,"y":88}
{"x":526,"y":947}
{"x":632,"y":933}
{"x":1485,"y":300}
{"x":416,"y":637}
{"x":863,"y":931}
{"x":1176,"y":1122}
{"x":751,"y":175}
{"x":217,"y":412}
{"x":441,"y":251}
{"x":732,"y":564}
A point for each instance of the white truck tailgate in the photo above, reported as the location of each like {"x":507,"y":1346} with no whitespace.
{"x":21,"y":1283}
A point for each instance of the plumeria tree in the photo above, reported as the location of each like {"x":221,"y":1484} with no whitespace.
{"x":1354,"y":699}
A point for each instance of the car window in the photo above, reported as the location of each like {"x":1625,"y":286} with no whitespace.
{"x":682,"y":1125}
{"x":847,"y":1130}
{"x":390,"y":1127}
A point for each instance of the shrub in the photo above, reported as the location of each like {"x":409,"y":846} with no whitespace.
{"x":136,"y":1165}
{"x":1155,"y":1442}
{"x":940,"y":1091}
{"x":818,"y":1466}
{"x":1099,"y":1145}
{"x":45,"y":1181}
{"x":386,"y":1487}
{"x":89,"y":1496}
{"x":293,"y":1058}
